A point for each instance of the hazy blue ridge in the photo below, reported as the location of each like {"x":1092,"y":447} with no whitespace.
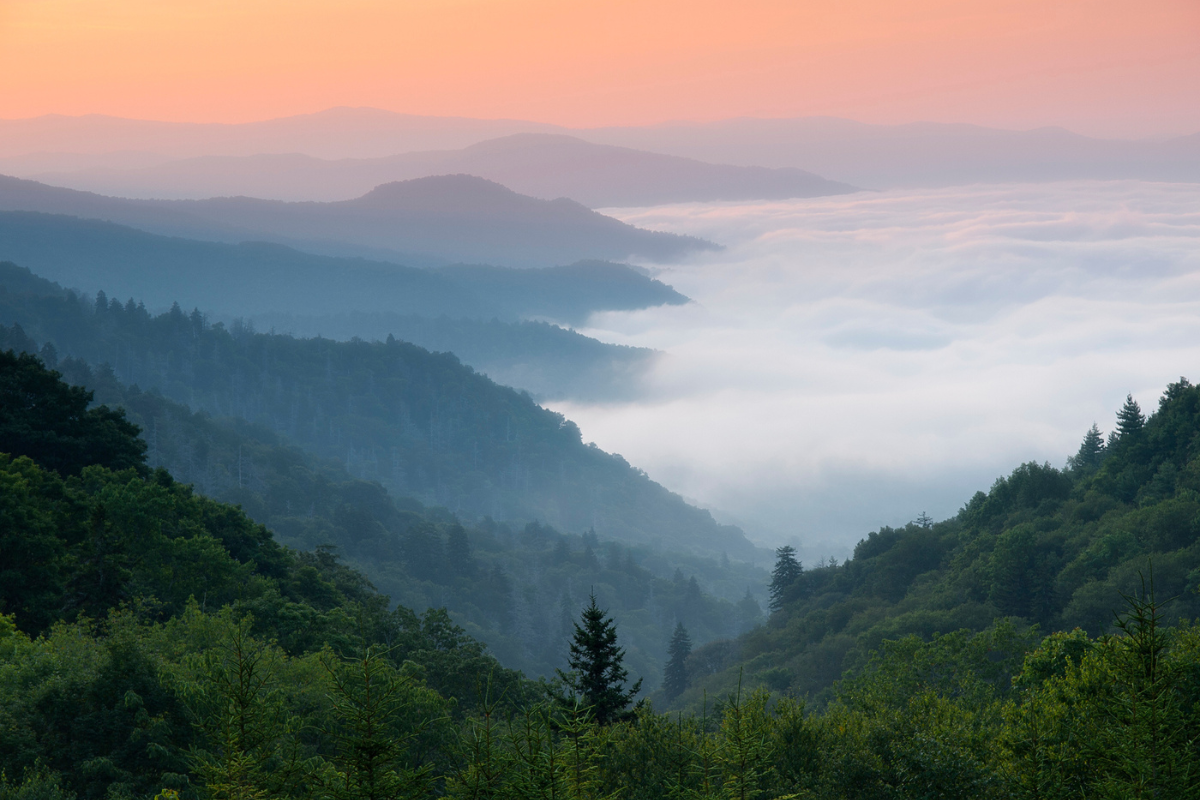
{"x":451,"y":217}
{"x":257,"y":278}
{"x":420,"y":423}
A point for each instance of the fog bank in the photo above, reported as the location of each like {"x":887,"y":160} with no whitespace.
{"x":854,"y":361}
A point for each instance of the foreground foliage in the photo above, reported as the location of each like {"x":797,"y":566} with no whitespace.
{"x":201,"y":706}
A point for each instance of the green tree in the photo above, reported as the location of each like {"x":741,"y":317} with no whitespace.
{"x":746,"y":746}
{"x":787,"y":571}
{"x":597,"y":676}
{"x":1091,"y":452}
{"x":675,"y":675}
{"x":372,"y":702}
{"x":1130,"y":419}
{"x":238,"y":699}
{"x":49,"y":421}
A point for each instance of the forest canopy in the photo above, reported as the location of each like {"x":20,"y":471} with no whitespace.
{"x":156,"y":643}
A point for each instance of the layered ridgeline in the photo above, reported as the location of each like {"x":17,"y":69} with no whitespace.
{"x":440,"y":219}
{"x":1047,"y":547}
{"x":419,"y":423}
{"x":484,"y":314}
{"x":537,"y":164}
{"x":252,"y":279}
{"x":516,"y":589}
{"x":158,"y":644}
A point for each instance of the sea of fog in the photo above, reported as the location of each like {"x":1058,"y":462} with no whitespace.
{"x":851,"y":362}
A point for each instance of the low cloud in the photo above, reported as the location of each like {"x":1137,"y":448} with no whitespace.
{"x":854,"y":361}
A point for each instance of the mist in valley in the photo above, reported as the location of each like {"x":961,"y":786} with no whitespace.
{"x":852,"y":362}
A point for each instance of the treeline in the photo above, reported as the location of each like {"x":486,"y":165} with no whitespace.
{"x":419,"y":423}
{"x":516,"y":588}
{"x":1055,"y":548}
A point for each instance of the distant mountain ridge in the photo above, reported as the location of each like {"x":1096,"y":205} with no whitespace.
{"x":919,"y":154}
{"x":449,"y":217}
{"x":252,"y":279}
{"x":542,"y":165}
{"x":871,"y":156}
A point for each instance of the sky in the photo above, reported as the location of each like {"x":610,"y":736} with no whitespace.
{"x":1100,"y":67}
{"x":850,"y":362}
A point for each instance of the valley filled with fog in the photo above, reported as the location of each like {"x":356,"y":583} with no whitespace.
{"x":852,"y":361}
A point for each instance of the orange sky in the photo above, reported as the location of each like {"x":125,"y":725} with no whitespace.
{"x":1107,"y":67}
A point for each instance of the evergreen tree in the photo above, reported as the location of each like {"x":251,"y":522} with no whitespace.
{"x":787,"y":570}
{"x":597,"y":675}
{"x":49,"y":421}
{"x":1129,"y":419}
{"x":675,"y":677}
{"x":1091,"y":452}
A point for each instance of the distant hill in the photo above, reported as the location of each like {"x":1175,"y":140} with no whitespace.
{"x":256,"y":278}
{"x":421,"y":424}
{"x":866,"y":155}
{"x":917,"y":154}
{"x":449,"y":217}
{"x":537,"y":164}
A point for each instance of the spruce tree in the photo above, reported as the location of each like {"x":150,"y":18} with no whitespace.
{"x":675,"y":677}
{"x":1091,"y":452}
{"x":597,"y":676}
{"x":1129,"y":419}
{"x":787,"y":570}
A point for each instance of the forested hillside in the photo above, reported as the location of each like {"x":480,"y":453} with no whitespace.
{"x":157,"y":644}
{"x":547,"y":361}
{"x":419,"y":423}
{"x":517,"y":590}
{"x":1046,"y":547}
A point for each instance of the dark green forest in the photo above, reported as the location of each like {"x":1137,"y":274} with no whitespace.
{"x":155,"y":643}
{"x":512,"y":585}
{"x":421,"y":424}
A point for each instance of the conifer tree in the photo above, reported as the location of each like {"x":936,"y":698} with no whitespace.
{"x":597,"y":676}
{"x":787,"y":570}
{"x":1129,"y":419}
{"x":1091,"y":452}
{"x":675,"y":677}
